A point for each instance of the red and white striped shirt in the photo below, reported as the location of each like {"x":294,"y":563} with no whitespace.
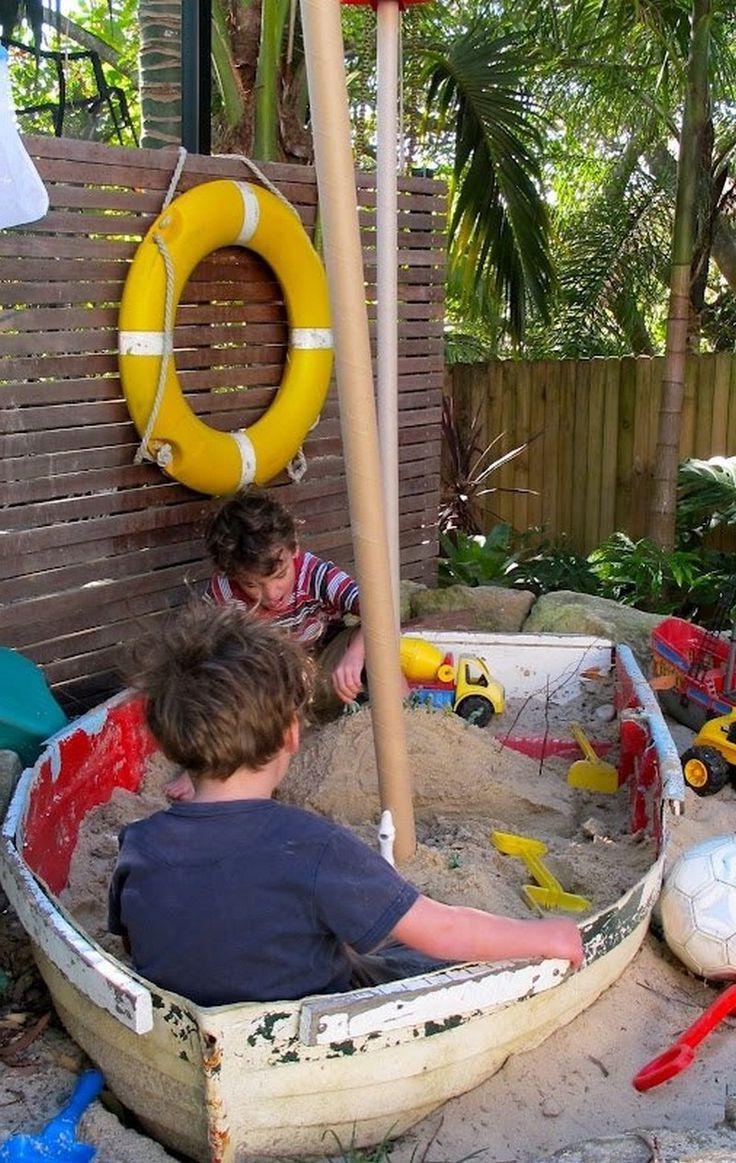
{"x":322,"y":594}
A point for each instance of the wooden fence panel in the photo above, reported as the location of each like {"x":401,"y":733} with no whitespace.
{"x":591,"y":428}
{"x":96,"y":548}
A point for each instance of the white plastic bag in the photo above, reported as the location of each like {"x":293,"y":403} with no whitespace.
{"x":23,"y":196}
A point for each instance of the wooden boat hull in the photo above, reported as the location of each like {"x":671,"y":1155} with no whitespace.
{"x":250,"y":1081}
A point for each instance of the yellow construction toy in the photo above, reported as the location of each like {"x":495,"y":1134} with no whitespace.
{"x":711,"y":761}
{"x":436,"y":680}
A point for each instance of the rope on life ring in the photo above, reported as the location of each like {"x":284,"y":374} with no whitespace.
{"x":205,"y":218}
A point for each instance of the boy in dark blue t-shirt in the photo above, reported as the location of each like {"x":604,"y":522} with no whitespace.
{"x":232,"y":896}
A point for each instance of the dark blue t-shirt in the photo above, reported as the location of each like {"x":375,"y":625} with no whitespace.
{"x":250,"y":900}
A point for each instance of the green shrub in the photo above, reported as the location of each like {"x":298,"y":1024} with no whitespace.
{"x":641,"y":574}
{"x":553,"y":566}
{"x":706,"y":496}
{"x":479,"y":560}
{"x":689,"y":581}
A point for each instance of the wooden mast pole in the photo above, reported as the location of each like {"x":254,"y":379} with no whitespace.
{"x":344,"y":261}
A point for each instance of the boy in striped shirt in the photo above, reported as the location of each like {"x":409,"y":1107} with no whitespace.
{"x":259,"y":566}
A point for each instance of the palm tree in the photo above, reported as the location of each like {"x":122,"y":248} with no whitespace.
{"x":696,"y":139}
{"x":499,"y":225}
{"x":477,"y":108}
{"x":160,"y":72}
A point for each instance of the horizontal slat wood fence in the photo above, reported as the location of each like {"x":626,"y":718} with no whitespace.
{"x":94,"y":547}
{"x":591,"y":428}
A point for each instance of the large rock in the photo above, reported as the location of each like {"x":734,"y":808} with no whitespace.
{"x":407,"y":589}
{"x":491,"y":608}
{"x":567,"y":612}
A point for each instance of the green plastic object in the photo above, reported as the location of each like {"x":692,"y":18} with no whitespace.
{"x":29,"y":713}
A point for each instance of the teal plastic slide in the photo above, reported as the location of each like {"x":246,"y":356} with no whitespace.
{"x":29,"y":713}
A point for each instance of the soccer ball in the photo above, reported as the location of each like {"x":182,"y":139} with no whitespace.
{"x":698,"y":906}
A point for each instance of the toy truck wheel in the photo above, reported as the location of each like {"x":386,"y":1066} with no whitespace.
{"x":706,"y":771}
{"x":475,"y":709}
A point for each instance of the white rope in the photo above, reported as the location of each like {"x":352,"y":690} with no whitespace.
{"x":261,"y":177}
{"x":297,"y":467}
{"x":163,"y":455}
{"x":175,"y":177}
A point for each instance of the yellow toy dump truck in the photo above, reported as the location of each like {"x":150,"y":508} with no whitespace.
{"x":711,"y":761}
{"x":436,"y":680}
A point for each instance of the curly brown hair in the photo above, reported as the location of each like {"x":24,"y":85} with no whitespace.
{"x":248,"y":532}
{"x":220,"y":688}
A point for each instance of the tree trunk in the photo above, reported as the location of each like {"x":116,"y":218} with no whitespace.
{"x":160,"y":69}
{"x":274,"y":16}
{"x":663,"y":166}
{"x":695,"y":119}
{"x":226,"y":74}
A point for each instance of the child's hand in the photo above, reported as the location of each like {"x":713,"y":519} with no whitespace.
{"x":347,"y":676}
{"x":565,"y":941}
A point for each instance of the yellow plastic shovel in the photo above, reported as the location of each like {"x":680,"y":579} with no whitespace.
{"x":591,"y":773}
{"x":547,"y":893}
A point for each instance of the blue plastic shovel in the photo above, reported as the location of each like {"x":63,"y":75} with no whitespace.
{"x":57,"y":1142}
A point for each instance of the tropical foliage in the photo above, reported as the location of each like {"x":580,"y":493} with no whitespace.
{"x":556,"y":126}
{"x":706,"y":497}
{"x":467,"y":470}
{"x":684,"y":581}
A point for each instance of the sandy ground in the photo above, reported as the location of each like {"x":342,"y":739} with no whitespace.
{"x":576,"y":1086}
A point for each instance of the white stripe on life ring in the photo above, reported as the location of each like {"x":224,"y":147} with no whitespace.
{"x":143,"y":343}
{"x":311,"y":338}
{"x":251,"y":213}
{"x":247,"y":457}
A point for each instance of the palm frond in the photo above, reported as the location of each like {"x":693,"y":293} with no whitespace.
{"x":706,"y":492}
{"x":499,"y":225}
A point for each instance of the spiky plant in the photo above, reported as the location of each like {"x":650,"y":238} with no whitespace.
{"x":466,"y":471}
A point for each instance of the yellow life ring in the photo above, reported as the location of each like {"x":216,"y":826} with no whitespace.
{"x":205,"y":218}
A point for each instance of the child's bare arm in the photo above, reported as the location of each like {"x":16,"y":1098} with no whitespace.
{"x":461,"y":934}
{"x":346,"y":677}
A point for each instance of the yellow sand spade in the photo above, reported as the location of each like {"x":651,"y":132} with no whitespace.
{"x":547,"y":893}
{"x":591,"y":773}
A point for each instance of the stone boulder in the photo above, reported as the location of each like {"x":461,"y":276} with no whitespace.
{"x":407,"y":589}
{"x":489,"y":608}
{"x":567,"y":612}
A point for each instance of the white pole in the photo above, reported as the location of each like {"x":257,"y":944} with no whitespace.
{"x":387,"y":54}
{"x":344,"y":260}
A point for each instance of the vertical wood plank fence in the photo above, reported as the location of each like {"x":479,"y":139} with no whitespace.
{"x":591,"y":432}
{"x":95,"y":548}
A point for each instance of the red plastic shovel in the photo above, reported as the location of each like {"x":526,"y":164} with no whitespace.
{"x":680,"y":1056}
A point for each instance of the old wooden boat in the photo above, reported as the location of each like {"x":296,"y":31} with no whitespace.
{"x":249,"y":1081}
